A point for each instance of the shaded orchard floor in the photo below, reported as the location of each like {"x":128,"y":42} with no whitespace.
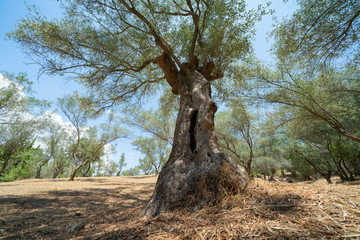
{"x":48,"y":208}
{"x":109,"y":208}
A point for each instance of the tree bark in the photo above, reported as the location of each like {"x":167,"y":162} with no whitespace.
{"x":249,"y":162}
{"x":73,"y":174}
{"x":87,"y":171}
{"x":56,"y":175}
{"x":197,"y":173}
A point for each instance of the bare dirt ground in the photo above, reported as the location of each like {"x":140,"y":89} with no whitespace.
{"x":109,"y":208}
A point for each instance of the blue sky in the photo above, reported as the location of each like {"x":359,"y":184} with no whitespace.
{"x":13,"y":60}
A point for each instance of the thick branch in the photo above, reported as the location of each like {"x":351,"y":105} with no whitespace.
{"x":158,"y":40}
{"x":195,"y":17}
{"x":171,"y":73}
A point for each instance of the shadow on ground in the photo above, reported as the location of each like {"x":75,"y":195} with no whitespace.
{"x":51,"y":215}
{"x":277,"y":210}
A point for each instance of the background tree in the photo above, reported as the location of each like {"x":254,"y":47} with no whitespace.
{"x":111,"y":169}
{"x":156,"y":153}
{"x":318,"y":105}
{"x":18,"y":122}
{"x":23,"y":164}
{"x":87,"y":152}
{"x":86,"y":145}
{"x":14,"y":139}
{"x":132,"y":171}
{"x":236,"y":127}
{"x":324,"y":150}
{"x":52,"y":141}
{"x":17,"y":99}
{"x":314,"y":86}
{"x":270,"y":152}
{"x":60,"y":163}
{"x":121,"y":164}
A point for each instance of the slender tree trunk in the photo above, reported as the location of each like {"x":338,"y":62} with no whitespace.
{"x":38,"y":172}
{"x":56,"y":175}
{"x":197,"y":173}
{"x":342,"y":161}
{"x":341,"y":171}
{"x":73,"y":174}
{"x":249,"y":162}
{"x":87,"y":171}
{"x":328,"y":177}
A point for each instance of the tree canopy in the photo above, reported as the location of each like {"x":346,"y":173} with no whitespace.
{"x":119,"y":48}
{"x":320,"y":30}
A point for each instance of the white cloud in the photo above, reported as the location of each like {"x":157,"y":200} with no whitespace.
{"x":5,"y":83}
{"x":10,"y":113}
{"x":68,"y":128}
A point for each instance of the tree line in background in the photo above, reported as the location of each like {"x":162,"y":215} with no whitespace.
{"x":299,"y":116}
{"x":34,"y":145}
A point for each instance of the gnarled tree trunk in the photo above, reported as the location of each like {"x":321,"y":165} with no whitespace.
{"x":197,"y":173}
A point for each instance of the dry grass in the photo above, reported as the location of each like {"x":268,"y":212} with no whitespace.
{"x":110,"y":208}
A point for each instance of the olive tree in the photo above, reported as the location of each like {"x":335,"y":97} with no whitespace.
{"x":120,"y":49}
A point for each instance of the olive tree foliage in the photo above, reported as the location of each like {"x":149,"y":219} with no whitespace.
{"x":14,"y":140}
{"x":17,"y":99}
{"x":86,"y":153}
{"x":318,"y":31}
{"x":12,"y":98}
{"x":54,"y":140}
{"x":160,"y":122}
{"x":104,"y":167}
{"x":322,"y":149}
{"x":60,"y":163}
{"x":314,"y":87}
{"x":111,"y":169}
{"x":270,"y":147}
{"x":134,"y":171}
{"x":328,"y":94}
{"x":23,"y":164}
{"x":120,"y":48}
{"x":91,"y":147}
{"x":318,"y":106}
{"x":321,"y":31}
